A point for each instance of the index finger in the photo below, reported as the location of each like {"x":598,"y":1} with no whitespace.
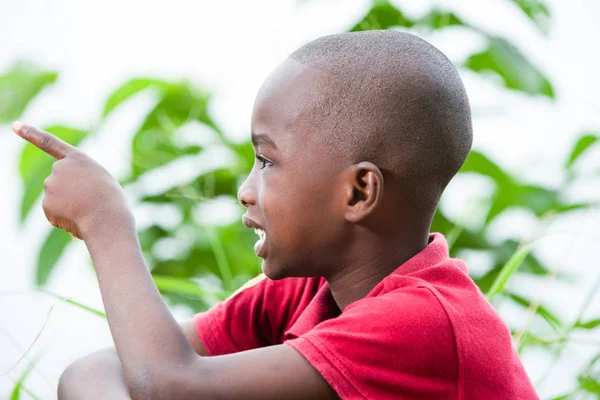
{"x":43,"y":140}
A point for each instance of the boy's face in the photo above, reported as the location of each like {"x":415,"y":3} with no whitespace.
{"x":293,"y":191}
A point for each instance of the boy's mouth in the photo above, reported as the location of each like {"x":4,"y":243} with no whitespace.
{"x":261,"y":234}
{"x":259,"y":248}
{"x":260,"y":243}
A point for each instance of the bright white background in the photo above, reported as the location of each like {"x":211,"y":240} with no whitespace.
{"x":230,"y":47}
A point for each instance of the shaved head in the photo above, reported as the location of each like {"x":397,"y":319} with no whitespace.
{"x":393,"y":99}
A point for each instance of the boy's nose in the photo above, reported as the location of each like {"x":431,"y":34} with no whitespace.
{"x":246,"y":195}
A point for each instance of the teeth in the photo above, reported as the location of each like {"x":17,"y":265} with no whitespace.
{"x":260,"y":233}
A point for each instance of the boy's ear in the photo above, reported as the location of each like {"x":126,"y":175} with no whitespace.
{"x":364,"y":191}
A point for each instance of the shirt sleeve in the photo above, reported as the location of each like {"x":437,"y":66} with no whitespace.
{"x":398,"y":345}
{"x":255,"y":316}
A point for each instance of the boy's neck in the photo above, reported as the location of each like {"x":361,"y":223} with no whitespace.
{"x":371,"y":266}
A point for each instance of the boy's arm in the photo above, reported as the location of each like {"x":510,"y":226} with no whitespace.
{"x":99,"y":375}
{"x":158,"y":362}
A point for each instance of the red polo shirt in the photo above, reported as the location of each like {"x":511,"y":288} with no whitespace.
{"x":423,"y":332}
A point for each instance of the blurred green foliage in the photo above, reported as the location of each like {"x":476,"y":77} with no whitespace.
{"x":19,"y":86}
{"x":217,"y":259}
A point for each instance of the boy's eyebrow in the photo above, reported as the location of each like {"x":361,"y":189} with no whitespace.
{"x":262,"y":139}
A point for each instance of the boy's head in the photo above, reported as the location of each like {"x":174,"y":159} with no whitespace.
{"x":356,"y":137}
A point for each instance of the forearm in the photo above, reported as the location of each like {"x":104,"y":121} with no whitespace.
{"x":146,"y":336}
{"x":96,"y":376}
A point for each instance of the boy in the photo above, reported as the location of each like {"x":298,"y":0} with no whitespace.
{"x":356,"y":136}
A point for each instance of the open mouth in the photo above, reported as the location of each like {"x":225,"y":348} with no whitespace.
{"x":259,"y":246}
{"x":261,"y":234}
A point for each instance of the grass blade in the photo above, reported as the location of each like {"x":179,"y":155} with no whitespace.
{"x":16,"y":392}
{"x":75,"y":303}
{"x":507,"y":271}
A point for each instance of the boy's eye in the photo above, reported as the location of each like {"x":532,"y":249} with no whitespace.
{"x":264,"y":161}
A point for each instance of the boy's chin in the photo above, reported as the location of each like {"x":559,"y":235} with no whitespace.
{"x":273,"y":270}
{"x":278,"y":270}
{"x":269,"y":272}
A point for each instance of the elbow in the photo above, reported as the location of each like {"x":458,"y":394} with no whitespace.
{"x":70,"y":381}
{"x":93,"y":376}
{"x":65,"y":384}
{"x":171,"y":382}
{"x":153,"y":385}
{"x":144,"y":385}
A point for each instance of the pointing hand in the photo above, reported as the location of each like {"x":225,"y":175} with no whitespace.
{"x":79,"y":193}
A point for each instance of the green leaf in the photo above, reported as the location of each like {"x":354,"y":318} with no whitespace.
{"x":537,"y":11}
{"x":34,"y":186}
{"x":541,"y":310}
{"x":183,"y":286}
{"x":589,"y":324}
{"x":510,"y":193}
{"x":537,"y":199}
{"x":515,"y":71}
{"x":589,"y":383}
{"x":564,"y":208}
{"x":35,"y":166}
{"x":382,"y":15}
{"x":502,"y":253}
{"x":52,"y":249}
{"x":480,"y":163}
{"x":530,"y":338}
{"x":19,"y":86}
{"x":506,"y":186}
{"x":214,"y":183}
{"x":438,"y":19}
{"x":75,"y":303}
{"x":178,"y":290}
{"x":130,"y":88}
{"x":154,"y":145}
{"x":507,"y":271}
{"x":532,"y":265}
{"x":466,"y":239}
{"x":583,"y":143}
